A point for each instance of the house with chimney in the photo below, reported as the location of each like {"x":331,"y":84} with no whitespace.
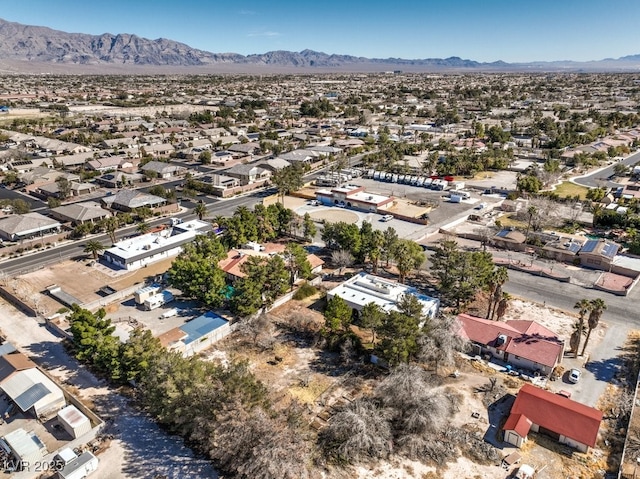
{"x":521,"y":344}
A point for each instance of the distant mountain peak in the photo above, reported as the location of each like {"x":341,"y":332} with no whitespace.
{"x":44,"y":46}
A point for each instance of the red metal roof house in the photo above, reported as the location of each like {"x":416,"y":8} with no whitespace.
{"x":567,"y":421}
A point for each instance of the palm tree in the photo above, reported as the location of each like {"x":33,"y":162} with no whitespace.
{"x":143,"y":227}
{"x":595,"y":313}
{"x":111,"y":225}
{"x":576,"y":336}
{"x":531,"y":211}
{"x":94,"y":247}
{"x":200,"y":210}
{"x":583,"y":306}
{"x":499,"y":277}
{"x":503,"y":304}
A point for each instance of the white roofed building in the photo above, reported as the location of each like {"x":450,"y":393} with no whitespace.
{"x":364,"y":288}
{"x":137,"y":252}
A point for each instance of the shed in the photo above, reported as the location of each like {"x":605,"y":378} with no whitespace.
{"x":77,"y":468}
{"x":145,"y":293}
{"x":31,"y":389}
{"x":25,"y":446}
{"x":73,"y":421}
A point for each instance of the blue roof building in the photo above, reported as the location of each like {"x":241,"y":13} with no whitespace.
{"x":197,"y":334}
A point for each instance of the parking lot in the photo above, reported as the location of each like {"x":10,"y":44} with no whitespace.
{"x":443,"y":211}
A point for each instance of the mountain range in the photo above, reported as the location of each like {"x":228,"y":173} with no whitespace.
{"x":30,"y":49}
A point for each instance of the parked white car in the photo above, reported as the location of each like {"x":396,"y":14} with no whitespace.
{"x":386,"y":218}
{"x":574,"y":375}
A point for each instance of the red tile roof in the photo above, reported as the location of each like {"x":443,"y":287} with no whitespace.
{"x":526,"y":339}
{"x":557,"y":414}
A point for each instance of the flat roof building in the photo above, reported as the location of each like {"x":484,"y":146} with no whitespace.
{"x":365,"y":288}
{"x":137,"y":252}
{"x":353,"y":196}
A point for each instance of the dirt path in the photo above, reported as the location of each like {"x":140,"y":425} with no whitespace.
{"x":140,"y":449}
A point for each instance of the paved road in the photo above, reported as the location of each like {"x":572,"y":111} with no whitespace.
{"x":601,"y":177}
{"x":68,"y":250}
{"x":620,"y":309}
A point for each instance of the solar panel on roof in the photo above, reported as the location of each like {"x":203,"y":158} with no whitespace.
{"x":589,"y":246}
{"x":610,"y":250}
{"x":574,"y":247}
{"x":503,"y":233}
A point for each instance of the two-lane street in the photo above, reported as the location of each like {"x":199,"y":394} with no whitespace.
{"x":66,"y":250}
{"x":600,"y":178}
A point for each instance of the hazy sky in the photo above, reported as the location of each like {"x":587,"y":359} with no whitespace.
{"x":482,"y":30}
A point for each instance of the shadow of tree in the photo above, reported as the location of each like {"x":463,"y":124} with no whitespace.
{"x":497,"y":414}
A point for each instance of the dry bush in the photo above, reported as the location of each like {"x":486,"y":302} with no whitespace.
{"x":361,"y":431}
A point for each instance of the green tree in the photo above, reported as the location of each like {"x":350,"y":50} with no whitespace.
{"x":408,"y":255}
{"x":196,"y":273}
{"x":111,"y":225}
{"x":372,"y":317}
{"x":140,"y":351}
{"x":499,"y":276}
{"x":297,"y":262}
{"x":82,"y":230}
{"x":205,"y":157}
{"x":342,"y":236}
{"x":584,"y":307}
{"x":528,"y":184}
{"x":596,"y":308}
{"x":338,"y":315}
{"x":94,"y":247}
{"x":287,"y":179}
{"x":389,"y":241}
{"x":64,"y":187}
{"x":309,"y":227}
{"x":143,"y":227}
{"x":200,"y":211}
{"x":93,"y":340}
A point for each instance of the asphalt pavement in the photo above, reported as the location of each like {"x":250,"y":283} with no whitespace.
{"x":602,"y":176}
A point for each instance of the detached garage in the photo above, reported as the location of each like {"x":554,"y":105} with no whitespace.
{"x":73,"y":421}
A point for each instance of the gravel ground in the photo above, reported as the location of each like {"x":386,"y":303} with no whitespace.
{"x":140,"y":449}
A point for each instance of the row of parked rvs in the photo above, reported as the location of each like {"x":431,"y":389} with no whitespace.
{"x":433,"y":183}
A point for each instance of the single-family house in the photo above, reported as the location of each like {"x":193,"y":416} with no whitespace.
{"x":248,"y":174}
{"x":273,"y":164}
{"x":246,"y":149}
{"x":107,"y":163}
{"x":161,"y":169}
{"x":129,"y":200}
{"x":118,"y":179}
{"x":568,"y":422}
{"x":598,"y":253}
{"x":520,"y":343}
{"x":78,"y":213}
{"x":364,"y":288}
{"x":26,"y":226}
{"x":509,"y":239}
{"x":232,"y":264}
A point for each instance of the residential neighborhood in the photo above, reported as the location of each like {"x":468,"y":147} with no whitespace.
{"x":383,"y":271}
